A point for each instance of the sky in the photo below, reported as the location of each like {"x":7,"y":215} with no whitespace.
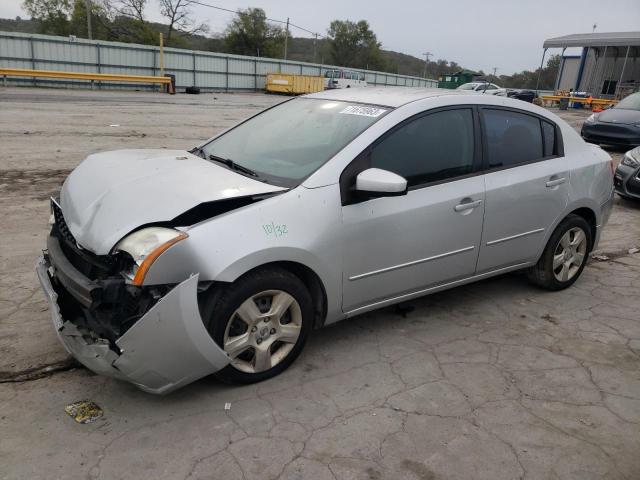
{"x":480,"y":35}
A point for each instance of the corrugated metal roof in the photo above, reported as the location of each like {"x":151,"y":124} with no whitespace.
{"x":608,"y":39}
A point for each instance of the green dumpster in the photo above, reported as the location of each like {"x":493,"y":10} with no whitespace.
{"x":454,"y":80}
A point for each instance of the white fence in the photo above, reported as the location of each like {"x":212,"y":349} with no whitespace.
{"x":206,"y":70}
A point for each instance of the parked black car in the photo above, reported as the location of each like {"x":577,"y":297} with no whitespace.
{"x":619,"y":125}
{"x":627,"y":177}
{"x":524,"y":95}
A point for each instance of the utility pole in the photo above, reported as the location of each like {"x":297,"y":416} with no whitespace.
{"x":426,"y":61}
{"x":161,"y":55}
{"x":88,"y":7}
{"x":315,"y":41}
{"x":286,"y":38}
{"x":593,"y":29}
{"x":495,"y":69}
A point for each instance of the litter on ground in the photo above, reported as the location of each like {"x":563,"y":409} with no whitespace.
{"x":84,"y":411}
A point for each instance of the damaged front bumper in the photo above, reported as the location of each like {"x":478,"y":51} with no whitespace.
{"x":167,"y":348}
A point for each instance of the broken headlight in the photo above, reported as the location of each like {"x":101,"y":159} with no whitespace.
{"x":145,"y":246}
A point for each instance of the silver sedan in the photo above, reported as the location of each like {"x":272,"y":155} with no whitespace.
{"x":165,"y":266}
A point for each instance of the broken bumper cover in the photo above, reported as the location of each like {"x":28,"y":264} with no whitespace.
{"x":167,"y":348}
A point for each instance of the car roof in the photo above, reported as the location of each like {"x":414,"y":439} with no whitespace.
{"x":386,"y":96}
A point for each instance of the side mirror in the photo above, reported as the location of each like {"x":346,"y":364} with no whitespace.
{"x":375,"y":182}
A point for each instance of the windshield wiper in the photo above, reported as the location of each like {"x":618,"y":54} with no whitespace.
{"x":233,"y":165}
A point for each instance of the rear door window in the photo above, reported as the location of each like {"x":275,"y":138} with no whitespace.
{"x":512,"y":138}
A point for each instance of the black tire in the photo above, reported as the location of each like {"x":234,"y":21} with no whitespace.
{"x":221,"y":303}
{"x":542,"y":274}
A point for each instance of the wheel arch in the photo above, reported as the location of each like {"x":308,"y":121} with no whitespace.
{"x":582,"y":210}
{"x":311,"y":280}
{"x":590,"y":217}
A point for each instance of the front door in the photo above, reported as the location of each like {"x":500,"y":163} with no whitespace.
{"x":526,"y":186}
{"x":398,"y":245}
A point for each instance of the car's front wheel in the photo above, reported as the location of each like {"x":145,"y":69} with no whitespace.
{"x":261,"y":321}
{"x":565,"y":255}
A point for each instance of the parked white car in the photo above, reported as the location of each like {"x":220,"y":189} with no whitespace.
{"x":484,"y":87}
{"x":338,"y":78}
{"x":164,"y":266}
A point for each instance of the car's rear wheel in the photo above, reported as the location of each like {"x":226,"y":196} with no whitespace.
{"x":565,"y":255}
{"x":261,"y":321}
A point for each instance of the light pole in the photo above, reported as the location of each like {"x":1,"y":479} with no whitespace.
{"x":426,"y":61}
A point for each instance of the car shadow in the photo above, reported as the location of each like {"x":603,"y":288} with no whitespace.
{"x":334,"y":343}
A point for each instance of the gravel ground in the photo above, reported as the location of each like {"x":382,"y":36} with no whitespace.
{"x":492,"y":380}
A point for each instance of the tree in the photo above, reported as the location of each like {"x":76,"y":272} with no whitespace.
{"x":529,"y":79}
{"x":180,"y":17}
{"x":99,"y":20}
{"x":52,"y":15}
{"x":354,"y":45}
{"x":125,"y":21}
{"x":128,"y":8}
{"x":249,"y":33}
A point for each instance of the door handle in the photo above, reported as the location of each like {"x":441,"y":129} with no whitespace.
{"x":461,"y":207}
{"x":555,"y":182}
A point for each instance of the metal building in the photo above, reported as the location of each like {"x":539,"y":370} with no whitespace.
{"x":608,"y":67}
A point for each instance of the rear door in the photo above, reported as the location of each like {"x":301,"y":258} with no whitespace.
{"x":526,"y":185}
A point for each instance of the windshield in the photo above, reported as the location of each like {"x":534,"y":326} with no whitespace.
{"x":632,"y":102}
{"x":290,"y":141}
{"x":468,"y":86}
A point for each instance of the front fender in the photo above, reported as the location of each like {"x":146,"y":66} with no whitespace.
{"x":301,"y":226}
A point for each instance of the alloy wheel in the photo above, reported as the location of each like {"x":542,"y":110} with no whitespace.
{"x":569,"y":254}
{"x":262,"y":331}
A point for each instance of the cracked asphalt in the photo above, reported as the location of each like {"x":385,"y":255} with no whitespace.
{"x":495,"y":380}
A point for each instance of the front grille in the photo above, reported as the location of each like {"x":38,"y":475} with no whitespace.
{"x":89,"y":264}
{"x":61,"y":224}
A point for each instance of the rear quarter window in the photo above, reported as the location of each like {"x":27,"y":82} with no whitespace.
{"x":549,"y":136}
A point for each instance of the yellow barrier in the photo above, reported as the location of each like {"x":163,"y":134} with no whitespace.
{"x":592,"y":101}
{"x":102,"y":77}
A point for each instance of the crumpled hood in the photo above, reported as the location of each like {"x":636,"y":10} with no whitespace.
{"x":112,"y":193}
{"x":619,"y":115}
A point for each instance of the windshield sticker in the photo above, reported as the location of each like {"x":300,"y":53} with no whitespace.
{"x":363,"y":111}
